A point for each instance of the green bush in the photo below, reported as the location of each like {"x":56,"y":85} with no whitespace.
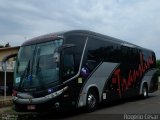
{"x":158,"y":66}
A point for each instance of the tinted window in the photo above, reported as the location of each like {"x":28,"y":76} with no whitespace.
{"x":68,"y":63}
{"x":101,"y":50}
{"x":79,"y":41}
{"x":129,"y":55}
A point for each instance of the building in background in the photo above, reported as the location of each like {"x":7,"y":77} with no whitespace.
{"x":4,"y":51}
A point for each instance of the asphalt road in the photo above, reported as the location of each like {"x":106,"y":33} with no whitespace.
{"x":128,"y":109}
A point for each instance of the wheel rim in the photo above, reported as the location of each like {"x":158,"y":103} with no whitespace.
{"x":91,"y":101}
{"x":144,"y":92}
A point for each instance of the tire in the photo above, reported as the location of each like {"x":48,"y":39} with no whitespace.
{"x":92,"y":101}
{"x":144,"y":91}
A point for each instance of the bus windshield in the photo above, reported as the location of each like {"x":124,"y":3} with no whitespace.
{"x":35,"y":66}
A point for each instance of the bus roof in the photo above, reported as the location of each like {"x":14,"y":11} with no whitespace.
{"x":58,"y":35}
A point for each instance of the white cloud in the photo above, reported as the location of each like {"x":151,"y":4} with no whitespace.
{"x":135,"y":21}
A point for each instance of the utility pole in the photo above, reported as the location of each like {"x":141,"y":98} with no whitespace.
{"x":4,"y":67}
{"x":5,"y":78}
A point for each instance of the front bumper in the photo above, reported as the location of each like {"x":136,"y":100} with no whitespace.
{"x":38,"y":100}
{"x":43,"y":107}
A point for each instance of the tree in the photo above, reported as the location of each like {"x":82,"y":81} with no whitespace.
{"x":1,"y":46}
{"x":7,"y":45}
{"x":158,"y":66}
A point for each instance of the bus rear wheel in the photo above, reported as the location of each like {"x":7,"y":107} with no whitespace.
{"x":92,"y":101}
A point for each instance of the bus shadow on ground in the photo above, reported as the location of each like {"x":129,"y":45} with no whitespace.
{"x":72,"y":113}
{"x":123,"y":101}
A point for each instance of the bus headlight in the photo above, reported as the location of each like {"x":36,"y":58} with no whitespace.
{"x":57,"y":93}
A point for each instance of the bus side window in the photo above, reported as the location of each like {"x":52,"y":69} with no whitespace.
{"x":68,"y":65}
{"x":91,"y":64}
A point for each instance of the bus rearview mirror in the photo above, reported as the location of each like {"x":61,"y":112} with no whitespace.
{"x":56,"y":57}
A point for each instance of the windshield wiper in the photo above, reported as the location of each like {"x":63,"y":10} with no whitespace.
{"x":25,"y":73}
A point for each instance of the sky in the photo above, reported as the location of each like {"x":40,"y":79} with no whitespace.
{"x":135,"y":21}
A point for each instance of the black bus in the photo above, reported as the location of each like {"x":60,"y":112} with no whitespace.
{"x":79,"y":68}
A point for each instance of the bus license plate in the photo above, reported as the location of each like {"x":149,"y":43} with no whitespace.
{"x":31,"y":107}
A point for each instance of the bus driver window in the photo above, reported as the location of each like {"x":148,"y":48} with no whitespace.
{"x":68,"y":66}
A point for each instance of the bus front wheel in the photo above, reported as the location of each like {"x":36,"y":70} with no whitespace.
{"x":91,"y":101}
